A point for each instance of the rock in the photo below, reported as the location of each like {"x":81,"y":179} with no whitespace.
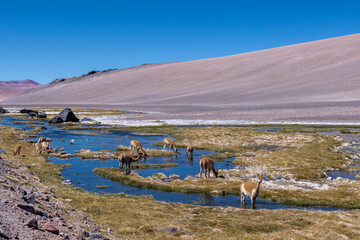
{"x":32,"y":223}
{"x":172,"y":230}
{"x":96,"y":236}
{"x":84,"y":234}
{"x":50,"y":228}
{"x":30,"y":199}
{"x":26,"y":111}
{"x":218,"y":192}
{"x":40,"y":128}
{"x":357,"y":177}
{"x":62,"y":149}
{"x":68,"y":116}
{"x":36,"y":114}
{"x":56,"y":119}
{"x":2,"y":152}
{"x":6,"y":201}
{"x":27,"y":208}
{"x":23,"y":192}
{"x":2,"y":110}
{"x":174,"y":176}
{"x":66,"y":182}
{"x":41,"y":114}
{"x":85,"y":119}
{"x":159,"y":176}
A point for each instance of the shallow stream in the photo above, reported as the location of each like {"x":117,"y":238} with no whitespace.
{"x":80,"y":172}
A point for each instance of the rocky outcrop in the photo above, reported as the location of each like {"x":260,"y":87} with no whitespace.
{"x":3,"y":111}
{"x":68,"y":116}
{"x":33,"y":114}
{"x":65,"y":115}
{"x":28,"y":212}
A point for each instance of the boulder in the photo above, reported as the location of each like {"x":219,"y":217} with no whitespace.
{"x":41,"y":114}
{"x":50,"y":228}
{"x":357,"y":177}
{"x":2,"y":110}
{"x":26,"y":111}
{"x":68,"y":116}
{"x":172,"y":230}
{"x":66,"y":182}
{"x":30,"y":199}
{"x":33,"y":114}
{"x":56,"y":119}
{"x":27,"y":208}
{"x":32,"y":223}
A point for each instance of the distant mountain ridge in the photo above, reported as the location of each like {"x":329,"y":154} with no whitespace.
{"x":303,"y":76}
{"x":13,"y":88}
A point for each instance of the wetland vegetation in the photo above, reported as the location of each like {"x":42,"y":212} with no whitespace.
{"x":295,"y":160}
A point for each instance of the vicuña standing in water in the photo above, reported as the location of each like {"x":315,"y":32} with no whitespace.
{"x":249,"y":190}
{"x":171,"y":143}
{"x":207,"y":164}
{"x":136,"y":145}
{"x":127,"y":160}
{"x":189,"y":152}
{"x":17,"y":149}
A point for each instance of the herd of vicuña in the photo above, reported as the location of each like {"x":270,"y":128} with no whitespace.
{"x":206,"y":164}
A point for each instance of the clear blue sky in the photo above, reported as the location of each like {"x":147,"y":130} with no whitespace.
{"x":45,"y":40}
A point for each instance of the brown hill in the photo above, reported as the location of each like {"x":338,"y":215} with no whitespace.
{"x":311,"y":81}
{"x":10,"y":89}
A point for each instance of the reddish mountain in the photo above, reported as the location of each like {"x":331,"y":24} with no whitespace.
{"x":10,"y":89}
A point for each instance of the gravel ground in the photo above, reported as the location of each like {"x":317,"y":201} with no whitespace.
{"x":36,"y":213}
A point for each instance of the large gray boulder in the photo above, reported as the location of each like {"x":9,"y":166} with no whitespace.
{"x":65,"y":115}
{"x":68,"y":116}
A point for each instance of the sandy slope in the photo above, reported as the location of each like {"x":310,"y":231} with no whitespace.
{"x":314,"y":81}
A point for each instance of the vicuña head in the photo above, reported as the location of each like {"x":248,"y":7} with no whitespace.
{"x":249,"y":190}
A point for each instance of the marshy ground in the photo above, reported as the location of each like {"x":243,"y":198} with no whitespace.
{"x":295,"y":160}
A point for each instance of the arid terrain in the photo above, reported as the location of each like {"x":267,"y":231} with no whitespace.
{"x":308,"y":82}
{"x":10,"y":89}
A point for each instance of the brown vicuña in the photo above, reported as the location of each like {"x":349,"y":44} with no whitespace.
{"x":189,"y":151}
{"x":207,"y":164}
{"x":171,"y":143}
{"x":42,"y":144}
{"x":136,"y":145}
{"x":17,"y":149}
{"x":127,"y":160}
{"x":249,"y":190}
